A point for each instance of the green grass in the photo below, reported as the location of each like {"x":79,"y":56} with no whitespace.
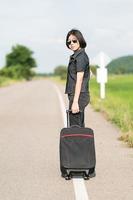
{"x":4,"y":81}
{"x":118,"y":104}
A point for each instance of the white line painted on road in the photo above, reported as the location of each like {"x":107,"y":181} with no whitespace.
{"x":62,"y":105}
{"x":79,"y":185}
{"x":80,"y":189}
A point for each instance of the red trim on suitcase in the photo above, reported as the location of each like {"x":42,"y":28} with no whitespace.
{"x":75,"y":135}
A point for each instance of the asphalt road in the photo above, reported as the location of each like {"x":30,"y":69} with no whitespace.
{"x":30,"y":123}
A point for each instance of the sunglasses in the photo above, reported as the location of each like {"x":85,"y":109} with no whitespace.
{"x":70,"y":41}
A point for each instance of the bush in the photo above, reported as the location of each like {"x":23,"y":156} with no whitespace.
{"x":93,"y":69}
{"x":61,"y":71}
{"x":17,"y":72}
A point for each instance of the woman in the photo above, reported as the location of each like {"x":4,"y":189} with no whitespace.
{"x":78,"y":75}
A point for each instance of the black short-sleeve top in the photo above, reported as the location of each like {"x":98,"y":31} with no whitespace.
{"x":79,"y":62}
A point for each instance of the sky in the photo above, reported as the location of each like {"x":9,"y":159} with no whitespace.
{"x":42,"y":26}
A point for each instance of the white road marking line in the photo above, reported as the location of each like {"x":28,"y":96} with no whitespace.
{"x":80,"y":189}
{"x":62,"y":105}
{"x":79,"y":185}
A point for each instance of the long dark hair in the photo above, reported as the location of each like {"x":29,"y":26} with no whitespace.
{"x":78,"y":35}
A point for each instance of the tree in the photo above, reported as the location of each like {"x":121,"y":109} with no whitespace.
{"x":21,"y":62}
{"x":61,"y":71}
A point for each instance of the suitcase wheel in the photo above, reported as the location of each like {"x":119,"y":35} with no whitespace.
{"x":86,"y":177}
{"x":92,"y":174}
{"x":68,"y":177}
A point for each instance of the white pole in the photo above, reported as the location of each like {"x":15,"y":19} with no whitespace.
{"x":101,"y":60}
{"x":102,"y":90}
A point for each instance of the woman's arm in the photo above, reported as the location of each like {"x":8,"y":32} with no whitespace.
{"x":75,"y":105}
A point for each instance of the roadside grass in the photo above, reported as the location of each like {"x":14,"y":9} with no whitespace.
{"x":6,"y":81}
{"x":58,"y":79}
{"x":118,"y":104}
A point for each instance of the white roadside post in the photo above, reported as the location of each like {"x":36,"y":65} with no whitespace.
{"x":101,"y":60}
{"x":102,"y":79}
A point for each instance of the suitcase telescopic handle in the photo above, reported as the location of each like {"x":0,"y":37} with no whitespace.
{"x":68,"y":119}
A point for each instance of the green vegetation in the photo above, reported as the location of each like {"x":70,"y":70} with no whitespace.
{"x":19,"y":64}
{"x":118,"y":104}
{"x":93,"y":69}
{"x":5,"y":81}
{"x":61,"y":71}
{"x":122,"y":65}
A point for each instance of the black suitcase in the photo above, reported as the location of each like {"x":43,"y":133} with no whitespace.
{"x":77,"y":152}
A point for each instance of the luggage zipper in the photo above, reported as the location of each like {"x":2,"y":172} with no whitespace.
{"x":75,"y":135}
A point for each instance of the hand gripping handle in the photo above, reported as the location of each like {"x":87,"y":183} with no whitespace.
{"x":68,"y":119}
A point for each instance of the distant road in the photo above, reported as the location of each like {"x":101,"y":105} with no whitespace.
{"x":30,"y":123}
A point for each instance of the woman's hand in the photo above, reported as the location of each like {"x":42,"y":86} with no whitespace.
{"x":75,"y":107}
